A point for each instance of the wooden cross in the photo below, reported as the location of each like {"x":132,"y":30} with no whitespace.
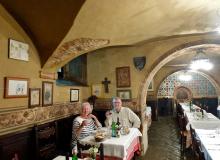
{"x":106,"y":82}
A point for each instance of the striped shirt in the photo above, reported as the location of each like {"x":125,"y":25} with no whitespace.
{"x":85,"y":131}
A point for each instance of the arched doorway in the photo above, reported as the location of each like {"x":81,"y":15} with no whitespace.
{"x":171,"y":54}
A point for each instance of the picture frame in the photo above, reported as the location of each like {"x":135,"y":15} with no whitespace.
{"x":123,"y":77}
{"x":151,"y":86}
{"x":16,"y":87}
{"x":124,"y":94}
{"x":47,"y":93}
{"x":34,"y":97}
{"x":18,"y":50}
{"x":74,"y":95}
{"x":97,"y":90}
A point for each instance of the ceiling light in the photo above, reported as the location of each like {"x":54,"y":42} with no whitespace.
{"x":200,"y":61}
{"x":185,"y":77}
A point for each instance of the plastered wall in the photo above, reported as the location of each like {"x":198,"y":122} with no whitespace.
{"x":17,"y":68}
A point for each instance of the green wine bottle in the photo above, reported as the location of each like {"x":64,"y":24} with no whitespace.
{"x":74,"y":157}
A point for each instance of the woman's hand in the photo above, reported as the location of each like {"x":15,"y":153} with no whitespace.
{"x":92,"y":116}
{"x":84,"y":123}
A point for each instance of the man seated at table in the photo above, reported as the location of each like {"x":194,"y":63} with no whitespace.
{"x":126,"y":116}
{"x":84,"y":124}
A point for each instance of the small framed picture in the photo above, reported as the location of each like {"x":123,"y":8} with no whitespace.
{"x":74,"y":95}
{"x":124,"y":94}
{"x":47,"y":93}
{"x":16,"y":87}
{"x":97,"y":90}
{"x":18,"y":50}
{"x":34,"y":97}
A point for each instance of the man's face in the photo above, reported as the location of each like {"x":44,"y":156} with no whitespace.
{"x":117,"y":105}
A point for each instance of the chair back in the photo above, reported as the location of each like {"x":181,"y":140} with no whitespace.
{"x":201,"y":153}
{"x":182,"y":122}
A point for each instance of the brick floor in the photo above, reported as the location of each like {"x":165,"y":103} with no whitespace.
{"x":163,"y":141}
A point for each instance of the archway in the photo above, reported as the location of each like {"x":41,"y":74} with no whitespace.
{"x":168,"y":56}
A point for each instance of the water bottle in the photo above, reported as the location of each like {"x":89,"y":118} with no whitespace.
{"x":113,"y":129}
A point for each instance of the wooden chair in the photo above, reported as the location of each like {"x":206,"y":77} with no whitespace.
{"x":179,"y":111}
{"x":183,"y":132}
{"x":82,"y":148}
{"x":45,"y":141}
{"x":201,"y":153}
{"x":196,"y":146}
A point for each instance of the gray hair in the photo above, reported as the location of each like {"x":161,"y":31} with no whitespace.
{"x":115,"y":98}
{"x":85,"y":104}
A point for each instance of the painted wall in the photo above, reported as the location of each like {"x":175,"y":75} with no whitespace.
{"x":102,"y":63}
{"x":16,"y":68}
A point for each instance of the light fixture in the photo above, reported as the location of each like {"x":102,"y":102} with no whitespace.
{"x":185,"y":76}
{"x":200,"y":61}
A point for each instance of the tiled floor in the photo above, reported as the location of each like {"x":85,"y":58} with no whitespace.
{"x":163,"y":141}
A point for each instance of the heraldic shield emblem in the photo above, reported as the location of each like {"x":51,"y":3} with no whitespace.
{"x":139,"y":62}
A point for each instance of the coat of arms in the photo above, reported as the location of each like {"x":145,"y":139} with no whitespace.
{"x":139,"y":62}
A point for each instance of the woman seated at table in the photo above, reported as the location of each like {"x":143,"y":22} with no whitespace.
{"x":84,"y":125}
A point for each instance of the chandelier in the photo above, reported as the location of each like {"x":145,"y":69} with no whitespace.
{"x":200,"y":61}
{"x":185,"y":76}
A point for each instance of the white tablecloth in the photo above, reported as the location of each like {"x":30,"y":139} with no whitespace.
{"x":115,"y":146}
{"x":208,"y":122}
{"x":210,"y":141}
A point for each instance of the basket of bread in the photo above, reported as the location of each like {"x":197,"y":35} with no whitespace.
{"x":100,"y":136}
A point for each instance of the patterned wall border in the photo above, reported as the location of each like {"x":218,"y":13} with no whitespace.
{"x":30,"y":117}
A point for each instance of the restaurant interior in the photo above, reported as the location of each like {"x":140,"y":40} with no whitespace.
{"x":162,"y":58}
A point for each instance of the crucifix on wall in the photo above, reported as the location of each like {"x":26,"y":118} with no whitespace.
{"x":106,"y":82}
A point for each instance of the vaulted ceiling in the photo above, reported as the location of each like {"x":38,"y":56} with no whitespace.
{"x":51,"y":23}
{"x":45,"y":21}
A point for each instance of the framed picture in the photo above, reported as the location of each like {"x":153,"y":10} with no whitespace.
{"x":74,"y":95}
{"x":151,"y":86}
{"x":97,"y":90}
{"x":18,"y":50}
{"x":16,"y":87}
{"x":124,"y":94}
{"x":34,"y":97}
{"x":47,"y":93}
{"x":123,"y":77}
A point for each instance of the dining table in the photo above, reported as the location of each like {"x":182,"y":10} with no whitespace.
{"x":210,"y":141}
{"x":120,"y":148}
{"x":207,"y":129}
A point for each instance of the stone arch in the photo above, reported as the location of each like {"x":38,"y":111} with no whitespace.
{"x":166,"y":57}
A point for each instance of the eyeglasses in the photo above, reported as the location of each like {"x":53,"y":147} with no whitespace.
{"x":116,"y":102}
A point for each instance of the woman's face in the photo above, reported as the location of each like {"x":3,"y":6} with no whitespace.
{"x":86,"y":110}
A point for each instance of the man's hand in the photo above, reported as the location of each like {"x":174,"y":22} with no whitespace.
{"x":108,"y":114}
